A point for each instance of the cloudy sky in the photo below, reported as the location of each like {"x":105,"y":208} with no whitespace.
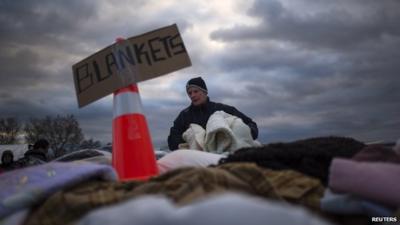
{"x":300,"y":69}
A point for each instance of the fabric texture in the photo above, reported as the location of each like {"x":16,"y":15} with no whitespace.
{"x":199,"y":115}
{"x":377,"y":153}
{"x":296,"y":187}
{"x":182,"y":186}
{"x":371,"y":180}
{"x":194,"y":138}
{"x":25,"y":187}
{"x":351,"y":205}
{"x":187,"y":158}
{"x":311,"y":156}
{"x":17,"y":218}
{"x":229,"y":208}
{"x":223,"y":133}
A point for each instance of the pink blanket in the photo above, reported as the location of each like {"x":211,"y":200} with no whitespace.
{"x":371,"y":180}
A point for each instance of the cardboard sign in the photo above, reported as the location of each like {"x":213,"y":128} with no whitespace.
{"x":136,"y":59}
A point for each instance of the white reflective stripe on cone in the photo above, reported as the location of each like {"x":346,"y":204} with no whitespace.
{"x":126,"y":103}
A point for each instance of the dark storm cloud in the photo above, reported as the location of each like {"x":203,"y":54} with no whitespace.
{"x":336,"y":61}
{"x":32,"y":22}
{"x":31,"y":44}
{"x":308,"y":67}
{"x":15,"y":67}
{"x":36,"y":34}
{"x":70,"y":25}
{"x":40,"y":40}
{"x":334,"y":24}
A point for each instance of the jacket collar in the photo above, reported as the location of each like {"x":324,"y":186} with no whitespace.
{"x":202,"y":106}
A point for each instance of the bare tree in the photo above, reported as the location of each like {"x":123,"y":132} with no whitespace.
{"x":62,"y":132}
{"x":9,"y":128}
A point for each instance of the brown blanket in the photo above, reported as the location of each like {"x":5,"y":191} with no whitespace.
{"x":183,"y":186}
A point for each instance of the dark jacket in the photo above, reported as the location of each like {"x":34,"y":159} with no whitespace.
{"x":31,"y":158}
{"x":199,"y":115}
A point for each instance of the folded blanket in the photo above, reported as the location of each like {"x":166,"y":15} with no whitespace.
{"x":223,"y":133}
{"x":25,"y":187}
{"x":371,"y":180}
{"x":377,"y":153}
{"x":310,"y":156}
{"x":185,"y":158}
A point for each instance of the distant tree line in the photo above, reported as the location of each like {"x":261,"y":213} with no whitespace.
{"x":9,"y":129}
{"x":62,"y":132}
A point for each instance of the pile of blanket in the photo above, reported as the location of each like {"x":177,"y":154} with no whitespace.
{"x":327,"y":180}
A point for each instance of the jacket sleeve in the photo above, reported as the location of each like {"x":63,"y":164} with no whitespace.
{"x":247,"y":120}
{"x":175,"y":133}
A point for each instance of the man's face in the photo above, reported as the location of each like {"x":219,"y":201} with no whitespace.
{"x":197,"y":96}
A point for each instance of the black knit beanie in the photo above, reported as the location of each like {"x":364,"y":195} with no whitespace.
{"x":197,"y":82}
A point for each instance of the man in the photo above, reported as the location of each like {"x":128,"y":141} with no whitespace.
{"x":39,"y":150}
{"x":199,"y":111}
{"x":35,"y":156}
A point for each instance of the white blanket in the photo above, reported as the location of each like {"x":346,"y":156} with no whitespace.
{"x":223,"y":133}
{"x":187,"y":158}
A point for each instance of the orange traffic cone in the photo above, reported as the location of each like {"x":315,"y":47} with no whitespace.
{"x":133,"y":154}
